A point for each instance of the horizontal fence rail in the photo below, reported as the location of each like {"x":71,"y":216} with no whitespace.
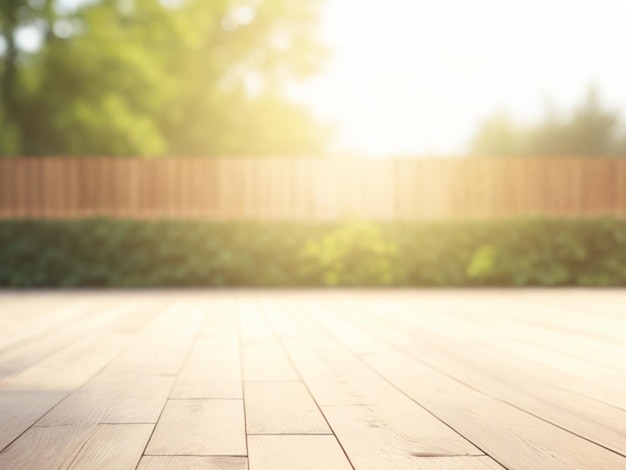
{"x":310,"y":189}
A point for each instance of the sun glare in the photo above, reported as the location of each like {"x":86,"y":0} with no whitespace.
{"x":416,"y":77}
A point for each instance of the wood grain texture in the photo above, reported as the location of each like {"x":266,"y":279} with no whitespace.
{"x":296,"y":452}
{"x":27,"y":396}
{"x":113,"y":398}
{"x":20,"y":409}
{"x":282,"y":408}
{"x":61,"y":335}
{"x":266,"y":362}
{"x":399,"y":436}
{"x":40,"y":447}
{"x":212,"y":370}
{"x":162,"y":346}
{"x":332,"y":373}
{"x":200,"y":427}
{"x":391,"y":461}
{"x":392,"y":432}
{"x":499,"y":374}
{"x":519,"y":437}
{"x":262,"y":357}
{"x":150,"y":462}
{"x":118,"y":446}
{"x":431,"y":380}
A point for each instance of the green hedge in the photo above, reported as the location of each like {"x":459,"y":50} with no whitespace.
{"x":123,"y":253}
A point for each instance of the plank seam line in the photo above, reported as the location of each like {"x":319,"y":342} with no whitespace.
{"x":445,"y":456}
{"x":205,"y":399}
{"x":111,"y":423}
{"x":236,"y":306}
{"x":100,"y":310}
{"x":290,"y":433}
{"x":182,"y":364}
{"x":82,"y":446}
{"x":64,"y":425}
{"x":545,"y":420}
{"x":48,"y":331}
{"x":196,"y":455}
{"x":535,"y":361}
{"x":271,"y":381}
{"x":156,"y":374}
{"x":391,"y":383}
{"x":289,"y":358}
{"x":123,"y":349}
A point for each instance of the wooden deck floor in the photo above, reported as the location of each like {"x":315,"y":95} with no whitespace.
{"x":433,"y":380}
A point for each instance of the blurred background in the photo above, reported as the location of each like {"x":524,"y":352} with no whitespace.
{"x":310,"y":77}
{"x":416,"y":143}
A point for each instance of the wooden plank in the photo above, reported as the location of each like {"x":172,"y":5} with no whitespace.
{"x":329,"y":387}
{"x":572,"y":319}
{"x":380,"y":364}
{"x":140,"y":400}
{"x":266,"y":362}
{"x":533,"y":334}
{"x":20,"y":409}
{"x":519,"y":441}
{"x":164,"y":349}
{"x":19,"y":327}
{"x":172,"y":354}
{"x":121,"y":393}
{"x":296,"y":452}
{"x":27,"y":396}
{"x":282,"y":408}
{"x":262,"y":357}
{"x":396,"y":436}
{"x":394,"y":430}
{"x":200,"y":427}
{"x":468,"y":326}
{"x":212,"y":370}
{"x":150,"y":462}
{"x":21,"y":317}
{"x":116,"y":446}
{"x":75,"y":447}
{"x":429,"y":463}
{"x":115,"y":398}
{"x":496,"y":374}
{"x":57,"y":330}
{"x":45,"y":447}
{"x":332,"y":374}
{"x":31,"y":393}
{"x":559,"y":346}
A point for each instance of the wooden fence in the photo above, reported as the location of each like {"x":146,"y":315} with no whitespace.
{"x":310,"y":189}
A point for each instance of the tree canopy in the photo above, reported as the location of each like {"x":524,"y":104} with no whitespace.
{"x":157,"y":77}
{"x":590,"y":131}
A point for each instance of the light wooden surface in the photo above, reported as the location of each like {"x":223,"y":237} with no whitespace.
{"x":271,"y":380}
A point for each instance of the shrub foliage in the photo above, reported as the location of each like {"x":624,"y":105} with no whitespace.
{"x":168,"y":253}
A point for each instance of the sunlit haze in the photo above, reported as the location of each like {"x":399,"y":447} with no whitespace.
{"x":409,"y":77}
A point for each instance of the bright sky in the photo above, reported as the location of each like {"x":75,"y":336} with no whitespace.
{"x":414,"y":77}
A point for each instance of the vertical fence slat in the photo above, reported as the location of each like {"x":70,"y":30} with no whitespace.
{"x":7,"y":189}
{"x":311,"y":189}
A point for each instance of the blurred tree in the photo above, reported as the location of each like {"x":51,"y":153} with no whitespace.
{"x":590,"y":131}
{"x":16,"y":16}
{"x":156,"y":77}
{"x":498,"y":136}
{"x":549,"y":137}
